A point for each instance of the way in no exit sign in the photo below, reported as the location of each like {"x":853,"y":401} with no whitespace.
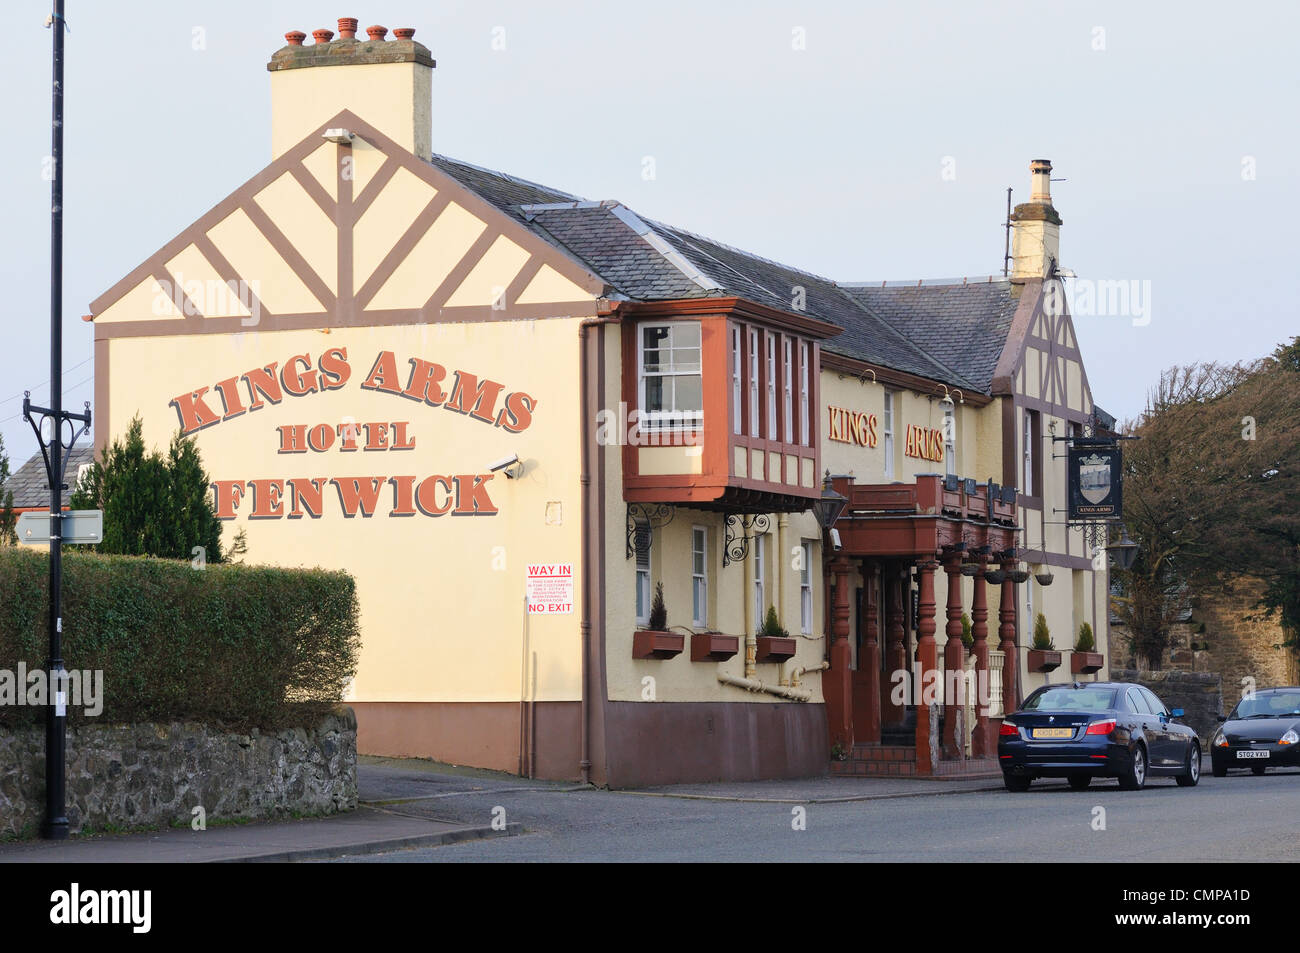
{"x":550,"y":588}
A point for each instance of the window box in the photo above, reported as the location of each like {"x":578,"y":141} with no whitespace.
{"x":1085,"y":663}
{"x":647,"y":643}
{"x":775,"y":649}
{"x":1044,"y":660}
{"x":713,"y":646}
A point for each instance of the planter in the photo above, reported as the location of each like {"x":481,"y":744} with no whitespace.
{"x":713,"y":646}
{"x":647,"y":643}
{"x":1044,"y":660}
{"x":775,"y":649}
{"x":971,"y":569}
{"x":995,"y":576}
{"x":1044,"y":578}
{"x":1019,"y":575}
{"x":1085,"y":663}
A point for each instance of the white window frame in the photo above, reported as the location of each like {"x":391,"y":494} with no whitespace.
{"x":805,"y":589}
{"x":644,"y":597}
{"x":772,"y":432}
{"x":888,"y":432}
{"x":950,"y":446}
{"x":787,"y":352}
{"x":753,"y":384}
{"x":700,"y":577}
{"x":737,"y":372}
{"x":1027,"y":477}
{"x":760,"y":580}
{"x":805,"y":429}
{"x":673,"y":419}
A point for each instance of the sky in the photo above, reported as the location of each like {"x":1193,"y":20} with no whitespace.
{"x":859,"y":141}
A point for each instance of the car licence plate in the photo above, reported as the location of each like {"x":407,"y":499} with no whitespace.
{"x":1053,"y":732}
{"x":1252,"y":754}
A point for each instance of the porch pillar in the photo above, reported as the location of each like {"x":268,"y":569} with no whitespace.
{"x":837,"y":688}
{"x":926,"y":740}
{"x":869,"y":658}
{"x":954,"y":668}
{"x":981,"y":744}
{"x":1007,"y":645}
{"x":895,"y":654}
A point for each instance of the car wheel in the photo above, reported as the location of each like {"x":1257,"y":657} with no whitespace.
{"x":1257,"y":769}
{"x":1015,"y":782}
{"x":1136,"y":776}
{"x":1079,"y":782}
{"x":1193,"y":774}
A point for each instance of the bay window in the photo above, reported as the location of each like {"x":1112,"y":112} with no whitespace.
{"x":672,"y":392}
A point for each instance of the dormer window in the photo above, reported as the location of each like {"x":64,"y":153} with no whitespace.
{"x":672,"y":393}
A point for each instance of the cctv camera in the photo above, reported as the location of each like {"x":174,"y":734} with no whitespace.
{"x":506,"y":464}
{"x":835,"y":540}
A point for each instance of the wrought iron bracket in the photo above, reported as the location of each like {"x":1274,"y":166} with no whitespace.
{"x":738,"y":531}
{"x":652,"y":515}
{"x":56,"y":433}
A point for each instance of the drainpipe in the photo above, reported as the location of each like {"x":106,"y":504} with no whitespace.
{"x":609,"y":316}
{"x":754,"y":685}
{"x":751,"y":624}
{"x":792,"y":680}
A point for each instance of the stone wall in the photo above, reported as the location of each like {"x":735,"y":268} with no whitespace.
{"x":1221,"y":637}
{"x":154,"y":775}
{"x":1199,"y":694}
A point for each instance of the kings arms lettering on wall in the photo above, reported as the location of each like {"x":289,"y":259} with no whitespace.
{"x":924,"y":443}
{"x":851,"y":426}
{"x":460,"y":494}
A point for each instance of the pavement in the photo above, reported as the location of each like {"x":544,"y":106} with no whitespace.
{"x":409,"y":803}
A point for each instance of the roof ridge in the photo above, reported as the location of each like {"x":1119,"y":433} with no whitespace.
{"x":959,"y":282}
{"x":506,"y":175}
{"x":739,"y":251}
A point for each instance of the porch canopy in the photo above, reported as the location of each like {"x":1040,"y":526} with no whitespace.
{"x":935,"y":522}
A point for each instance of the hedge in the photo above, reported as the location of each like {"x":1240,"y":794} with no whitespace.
{"x":231,"y":645}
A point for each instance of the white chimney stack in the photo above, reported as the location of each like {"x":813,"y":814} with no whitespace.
{"x":1036,"y":227}
{"x":388,"y":83}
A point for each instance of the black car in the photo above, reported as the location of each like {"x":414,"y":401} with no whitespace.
{"x":1089,"y":730}
{"x":1262,"y":732}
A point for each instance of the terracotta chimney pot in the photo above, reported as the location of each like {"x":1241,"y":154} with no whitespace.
{"x":405,"y":33}
{"x":377,"y":33}
{"x":347,"y":28}
{"x":322,"y":36}
{"x":295,"y":37}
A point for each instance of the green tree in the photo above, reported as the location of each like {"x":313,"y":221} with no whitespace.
{"x":1212,"y":492}
{"x":153,"y":505}
{"x":8,"y":518}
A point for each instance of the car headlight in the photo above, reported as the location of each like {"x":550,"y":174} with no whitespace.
{"x":1219,"y":741}
{"x":1289,"y":738}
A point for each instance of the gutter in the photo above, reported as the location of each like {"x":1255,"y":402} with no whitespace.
{"x":609,"y":312}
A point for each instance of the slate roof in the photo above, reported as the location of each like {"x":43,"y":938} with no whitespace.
{"x":30,"y":488}
{"x":945,"y":332}
{"x":961,"y":325}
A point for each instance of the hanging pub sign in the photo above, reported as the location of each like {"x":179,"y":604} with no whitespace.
{"x":1095,"y":478}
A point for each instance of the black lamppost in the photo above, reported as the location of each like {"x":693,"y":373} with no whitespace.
{"x":55,"y":826}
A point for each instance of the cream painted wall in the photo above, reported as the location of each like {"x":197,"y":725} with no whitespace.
{"x":979,"y":432}
{"x":395,"y":98}
{"x":730,"y":592}
{"x":442,"y":611}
